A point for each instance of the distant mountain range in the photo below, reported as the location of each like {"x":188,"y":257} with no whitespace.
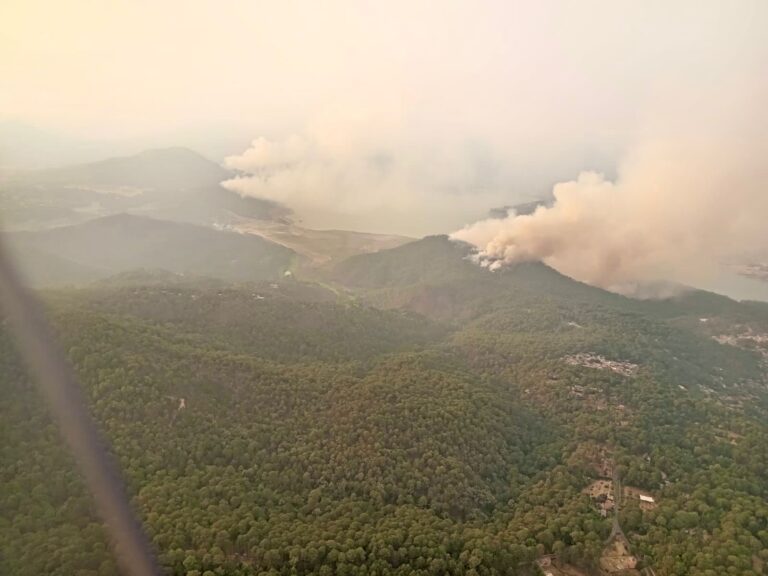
{"x":173,"y":183}
{"x":177,"y":185}
{"x":167,"y":168}
{"x":24,"y":146}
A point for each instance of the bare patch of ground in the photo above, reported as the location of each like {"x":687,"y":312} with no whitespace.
{"x":729,"y":436}
{"x":602,"y":495}
{"x":644,"y":497}
{"x":617,"y":559}
{"x":600,"y":488}
{"x":564,"y":570}
{"x":552,"y":567}
{"x":320,"y":246}
{"x":746,"y":338}
{"x":598,"y":362}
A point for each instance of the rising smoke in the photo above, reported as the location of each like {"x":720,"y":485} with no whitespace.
{"x":690,"y":197}
{"x":406,"y":185}
{"x":665,"y":100}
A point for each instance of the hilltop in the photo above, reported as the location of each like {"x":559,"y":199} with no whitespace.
{"x":173,"y":183}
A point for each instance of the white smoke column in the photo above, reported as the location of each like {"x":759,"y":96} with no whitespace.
{"x":684,"y":202}
{"x":399,"y":183}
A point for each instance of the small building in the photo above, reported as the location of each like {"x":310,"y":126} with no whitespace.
{"x":648,"y":499}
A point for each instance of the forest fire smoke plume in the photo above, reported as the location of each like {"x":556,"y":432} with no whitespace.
{"x":687,"y":199}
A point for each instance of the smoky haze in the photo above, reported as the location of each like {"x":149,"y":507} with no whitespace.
{"x":420,"y":117}
{"x":689,"y":197}
{"x":434,"y":149}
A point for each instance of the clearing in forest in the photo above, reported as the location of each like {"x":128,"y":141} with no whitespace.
{"x":617,"y":559}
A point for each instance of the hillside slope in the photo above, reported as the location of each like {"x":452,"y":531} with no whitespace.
{"x":105,"y":246}
{"x":436,"y":277}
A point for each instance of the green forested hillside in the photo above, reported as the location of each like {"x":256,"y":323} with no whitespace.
{"x":115,"y":244}
{"x":287,"y":321}
{"x":285,"y":429}
{"x":436,"y":277}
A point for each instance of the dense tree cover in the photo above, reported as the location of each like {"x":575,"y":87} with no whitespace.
{"x":47,"y":525}
{"x":287,"y":321}
{"x":279,"y":431}
{"x":690,"y":426}
{"x":267,"y":461}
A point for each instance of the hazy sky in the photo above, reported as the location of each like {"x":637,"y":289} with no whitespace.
{"x":410,"y":116}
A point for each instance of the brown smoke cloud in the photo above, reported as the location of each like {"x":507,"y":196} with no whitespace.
{"x":690,"y":197}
